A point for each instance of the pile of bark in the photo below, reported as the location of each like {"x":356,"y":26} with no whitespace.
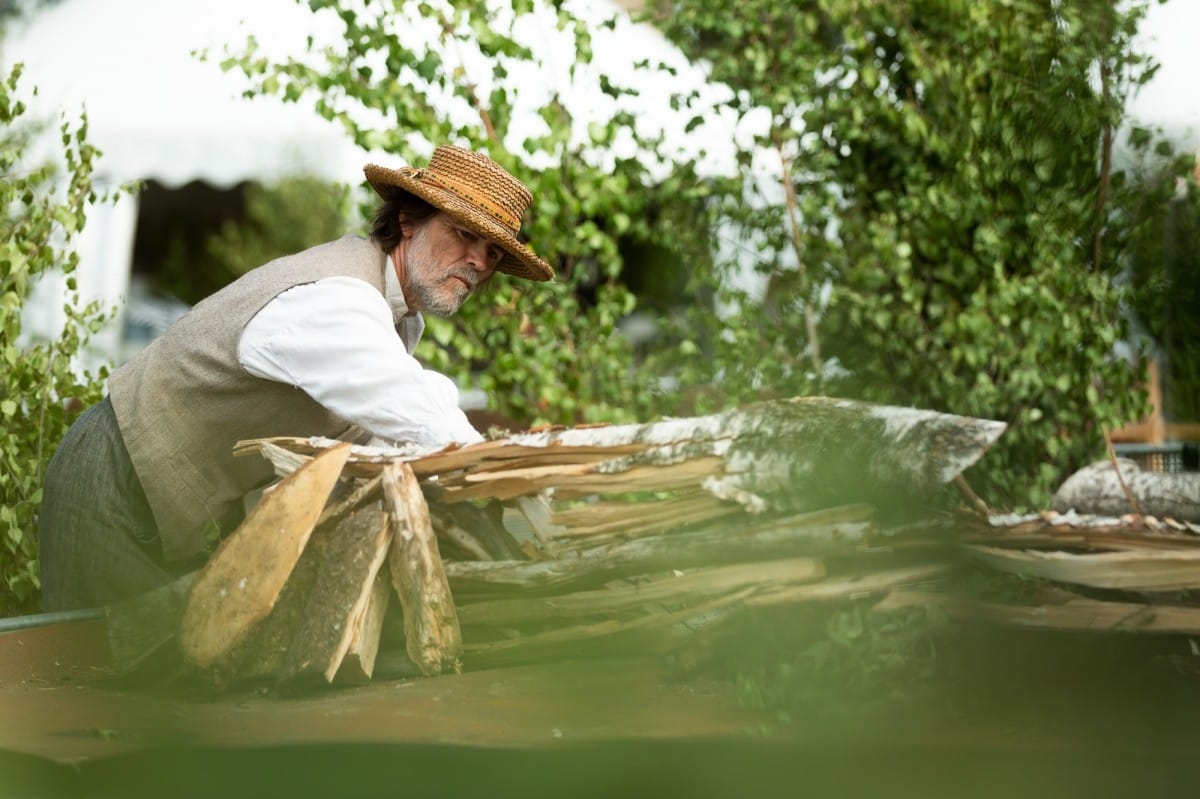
{"x":1079,"y":573}
{"x":536,"y":544}
{"x":544,"y":544}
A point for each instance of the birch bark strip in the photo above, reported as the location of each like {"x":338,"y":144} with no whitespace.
{"x":431,"y":632}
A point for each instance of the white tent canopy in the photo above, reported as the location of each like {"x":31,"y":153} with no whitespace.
{"x":157,"y":112}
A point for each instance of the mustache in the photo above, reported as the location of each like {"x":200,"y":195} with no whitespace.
{"x":469,"y":276}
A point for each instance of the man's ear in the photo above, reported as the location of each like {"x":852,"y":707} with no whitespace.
{"x":407,"y":228}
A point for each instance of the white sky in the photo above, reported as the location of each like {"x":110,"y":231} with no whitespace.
{"x":1171,"y":33}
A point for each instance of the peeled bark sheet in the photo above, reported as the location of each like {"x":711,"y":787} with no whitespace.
{"x":1128,"y":570}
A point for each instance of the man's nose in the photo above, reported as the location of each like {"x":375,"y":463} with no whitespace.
{"x":477,"y":257}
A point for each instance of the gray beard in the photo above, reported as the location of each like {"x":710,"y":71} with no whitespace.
{"x":435,"y":303}
{"x":429,"y":299}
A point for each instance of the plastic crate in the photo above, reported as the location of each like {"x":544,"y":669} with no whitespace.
{"x":1178,"y":456}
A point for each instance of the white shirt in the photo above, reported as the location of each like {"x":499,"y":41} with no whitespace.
{"x":350,"y":349}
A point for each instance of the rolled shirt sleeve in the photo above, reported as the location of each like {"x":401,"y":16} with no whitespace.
{"x":336,"y":339}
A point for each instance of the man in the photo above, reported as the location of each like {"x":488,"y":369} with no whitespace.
{"x":306,"y":345}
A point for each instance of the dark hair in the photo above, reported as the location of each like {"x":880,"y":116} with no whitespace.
{"x":399,"y":209}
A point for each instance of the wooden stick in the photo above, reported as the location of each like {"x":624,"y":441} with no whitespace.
{"x":978,"y":504}
{"x":1112,"y":456}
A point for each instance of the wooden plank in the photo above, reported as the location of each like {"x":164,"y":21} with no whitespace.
{"x":359,"y":663}
{"x":538,"y":518}
{"x":364,"y":492}
{"x":259,"y":657}
{"x":241,"y":582}
{"x":502,"y":453}
{"x":432,"y":636}
{"x":1084,"y":539}
{"x":670,"y":477}
{"x":349,"y":559}
{"x":548,"y":458}
{"x":531,"y":474}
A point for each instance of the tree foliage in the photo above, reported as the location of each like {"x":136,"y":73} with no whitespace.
{"x":41,"y":211}
{"x":421,"y":74}
{"x":929,"y":207}
{"x":943,"y":226}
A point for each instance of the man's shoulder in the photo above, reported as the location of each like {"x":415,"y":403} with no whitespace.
{"x":349,"y":246}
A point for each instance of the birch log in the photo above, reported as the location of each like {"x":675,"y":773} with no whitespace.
{"x":431,"y":633}
{"x":796,"y":454}
{"x":348,"y":559}
{"x":1096,"y":489}
{"x":239,"y":585}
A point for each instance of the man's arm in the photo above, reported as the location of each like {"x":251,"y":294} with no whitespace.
{"x":335,"y":339}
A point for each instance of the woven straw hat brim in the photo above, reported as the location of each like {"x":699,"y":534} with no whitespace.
{"x":519,"y":260}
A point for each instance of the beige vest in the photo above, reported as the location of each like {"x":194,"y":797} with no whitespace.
{"x":184,"y":401}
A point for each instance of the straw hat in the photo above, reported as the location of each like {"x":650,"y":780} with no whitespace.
{"x":478,"y":193}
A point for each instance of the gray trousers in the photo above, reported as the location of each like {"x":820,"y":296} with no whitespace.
{"x":98,"y":542}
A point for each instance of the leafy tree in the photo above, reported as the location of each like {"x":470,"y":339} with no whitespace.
{"x":930,"y":205}
{"x":941,"y":229}
{"x":421,"y":74}
{"x":40,"y":212}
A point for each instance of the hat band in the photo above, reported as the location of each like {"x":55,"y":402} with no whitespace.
{"x":471,"y":195}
